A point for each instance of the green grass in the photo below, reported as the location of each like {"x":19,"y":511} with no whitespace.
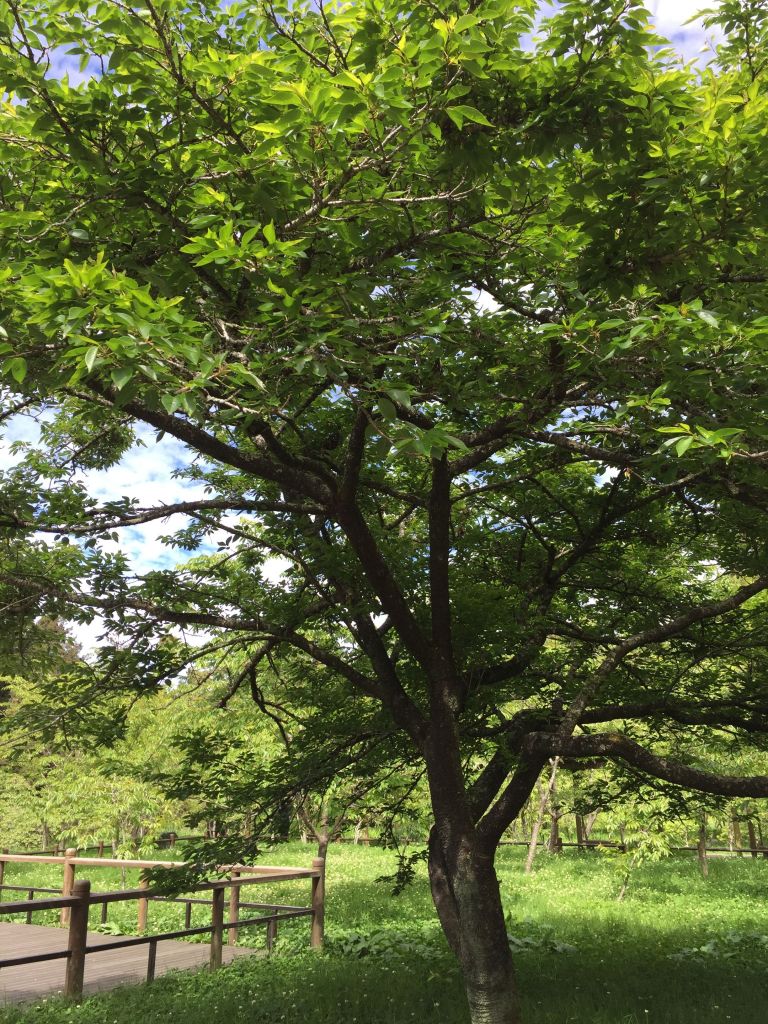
{"x":618,"y":962}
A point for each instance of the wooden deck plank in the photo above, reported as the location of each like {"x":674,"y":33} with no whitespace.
{"x":102,"y":970}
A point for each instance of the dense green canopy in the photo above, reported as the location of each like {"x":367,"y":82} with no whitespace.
{"x":466,"y":324}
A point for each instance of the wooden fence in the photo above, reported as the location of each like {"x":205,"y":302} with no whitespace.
{"x":166,"y":841}
{"x":76,"y":900}
{"x":596,"y":844}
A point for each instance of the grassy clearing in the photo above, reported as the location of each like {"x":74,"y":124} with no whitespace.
{"x":679,"y":949}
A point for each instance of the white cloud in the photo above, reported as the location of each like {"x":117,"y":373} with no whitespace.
{"x":484,"y":301}
{"x":146,"y":473}
{"x":20,"y":428}
{"x":671,"y":19}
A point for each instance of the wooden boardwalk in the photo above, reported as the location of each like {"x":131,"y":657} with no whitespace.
{"x":102,"y":970}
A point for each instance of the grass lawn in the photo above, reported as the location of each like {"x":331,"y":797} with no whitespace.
{"x":678,"y":949}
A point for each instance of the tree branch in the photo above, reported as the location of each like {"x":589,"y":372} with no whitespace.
{"x":617,"y":746}
{"x":655,"y":635}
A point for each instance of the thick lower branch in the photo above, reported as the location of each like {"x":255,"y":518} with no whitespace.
{"x":618,"y":747}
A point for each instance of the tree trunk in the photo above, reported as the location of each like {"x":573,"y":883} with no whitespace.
{"x":752,"y":837}
{"x":579,"y":832}
{"x":734,"y":836}
{"x":322,"y":847}
{"x":702,"y":847}
{"x":543,"y":798}
{"x":465,"y":890}
{"x":760,"y":836}
{"x":589,"y":824}
{"x":282,"y":821}
{"x":554,"y":843}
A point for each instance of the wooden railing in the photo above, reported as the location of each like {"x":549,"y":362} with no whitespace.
{"x":76,"y":900}
{"x":596,"y":844}
{"x":166,"y":841}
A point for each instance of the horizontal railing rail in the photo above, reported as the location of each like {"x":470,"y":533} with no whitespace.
{"x":167,"y":841}
{"x":34,"y":958}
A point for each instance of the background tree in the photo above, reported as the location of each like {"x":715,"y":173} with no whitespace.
{"x":60,"y":789}
{"x":287,"y":757}
{"x":470,"y":328}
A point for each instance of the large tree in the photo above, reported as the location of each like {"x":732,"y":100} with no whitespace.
{"x":466,"y":324}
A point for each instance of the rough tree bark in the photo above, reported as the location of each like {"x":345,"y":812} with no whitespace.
{"x":465,"y":890}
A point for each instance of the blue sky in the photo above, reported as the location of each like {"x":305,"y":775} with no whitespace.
{"x":146,"y":472}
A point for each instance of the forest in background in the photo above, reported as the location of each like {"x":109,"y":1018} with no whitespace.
{"x":148,"y":785}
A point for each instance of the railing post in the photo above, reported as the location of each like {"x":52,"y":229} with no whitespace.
{"x":151,"y":961}
{"x":271,"y":934}
{"x":78,"y":937}
{"x":217,"y":920}
{"x":318,"y":904}
{"x":68,"y":884}
{"x":234,"y":910}
{"x":2,"y":870}
{"x":143,"y":906}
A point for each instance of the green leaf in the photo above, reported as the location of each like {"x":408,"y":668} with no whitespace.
{"x":121,"y":376}
{"x":461,"y":113}
{"x":346,"y":78}
{"x":707,"y":317}
{"x":17,"y":367}
{"x":269,"y":233}
{"x":387,"y":409}
{"x":91,"y":356}
{"x":400,"y":396}
{"x":170,"y":403}
{"x":684,"y":444}
{"x":249,"y":235}
{"x":464,"y":22}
